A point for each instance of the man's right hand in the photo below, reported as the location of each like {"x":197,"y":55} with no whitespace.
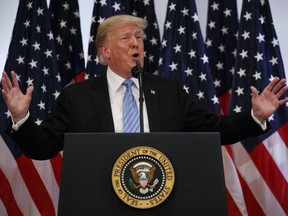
{"x":17,"y":102}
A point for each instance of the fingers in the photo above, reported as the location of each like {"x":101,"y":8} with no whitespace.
{"x":6,"y":82}
{"x":253,"y":91}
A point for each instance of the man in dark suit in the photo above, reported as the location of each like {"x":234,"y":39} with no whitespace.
{"x":95,"y":105}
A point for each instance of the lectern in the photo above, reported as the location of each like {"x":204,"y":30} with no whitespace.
{"x":89,"y":162}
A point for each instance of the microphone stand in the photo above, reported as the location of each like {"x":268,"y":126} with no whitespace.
{"x":137,"y":72}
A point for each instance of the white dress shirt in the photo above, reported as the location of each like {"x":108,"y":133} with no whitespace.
{"x":116,"y":94}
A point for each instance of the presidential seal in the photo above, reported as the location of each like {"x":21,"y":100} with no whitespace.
{"x":143,"y":177}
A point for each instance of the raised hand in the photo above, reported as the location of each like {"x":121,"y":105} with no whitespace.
{"x":266,"y":103}
{"x":17,"y":102}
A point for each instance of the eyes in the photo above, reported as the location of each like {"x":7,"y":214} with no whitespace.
{"x":127,"y":37}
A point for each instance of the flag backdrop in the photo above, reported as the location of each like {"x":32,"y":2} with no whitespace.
{"x":30,"y":187}
{"x":183,"y":55}
{"x":261,"y":162}
{"x":66,"y":29}
{"x":141,"y":8}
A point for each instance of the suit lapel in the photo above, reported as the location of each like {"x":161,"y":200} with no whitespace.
{"x":102,"y":104}
{"x":151,"y":93}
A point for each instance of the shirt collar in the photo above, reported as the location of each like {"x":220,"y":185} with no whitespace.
{"x":115,"y":81}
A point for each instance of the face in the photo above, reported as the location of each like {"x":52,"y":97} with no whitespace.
{"x":124,"y":47}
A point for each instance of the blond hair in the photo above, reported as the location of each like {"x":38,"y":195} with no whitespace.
{"x":106,"y":29}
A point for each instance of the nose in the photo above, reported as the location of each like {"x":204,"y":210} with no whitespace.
{"x":134,"y":42}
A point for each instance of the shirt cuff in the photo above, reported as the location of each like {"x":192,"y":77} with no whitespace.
{"x":16,"y":126}
{"x":263,"y":126}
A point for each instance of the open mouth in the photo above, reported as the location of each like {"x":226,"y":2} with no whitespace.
{"x":135,"y":55}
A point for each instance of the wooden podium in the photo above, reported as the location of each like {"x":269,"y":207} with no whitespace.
{"x":88,"y":160}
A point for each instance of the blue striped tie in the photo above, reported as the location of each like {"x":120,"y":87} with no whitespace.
{"x":130,"y":110}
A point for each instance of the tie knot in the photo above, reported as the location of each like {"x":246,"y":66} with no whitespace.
{"x":128,"y":83}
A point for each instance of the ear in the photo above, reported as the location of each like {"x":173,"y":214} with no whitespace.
{"x":105,"y":52}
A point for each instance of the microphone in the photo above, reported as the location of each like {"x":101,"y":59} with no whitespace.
{"x":137,"y":72}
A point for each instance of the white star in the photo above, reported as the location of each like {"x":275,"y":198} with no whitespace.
{"x":237,"y":109}
{"x":211,"y":24}
{"x":41,"y":105}
{"x":116,"y":6}
{"x":274,"y":60}
{"x":43,"y":87}
{"x":244,"y":54}
{"x":36,"y":46}
{"x":73,"y":31}
{"x":192,"y":54}
{"x":221,"y":48}
{"x":153,"y":41}
{"x":50,"y":35}
{"x":259,"y":56}
{"x":77,"y":14}
{"x":215,"y":6}
{"x":224,"y":30}
{"x":186,"y":88}
{"x":56,"y":94}
{"x":275,"y":42}
{"x":58,"y":77}
{"x":38,"y":29}
{"x":68,"y":65}
{"x":227,"y":12}
{"x":26,"y":23}
{"x":164,"y":43}
{"x":168,"y":25}
{"x":103,"y":2}
{"x":257,"y":75}
{"x":59,"y":40}
{"x":185,"y":12}
{"x":217,"y":83}
{"x":20,"y":60}
{"x":247,"y":16}
{"x":48,"y":53}
{"x":241,"y":72}
{"x":151,"y":58}
{"x":24,"y":42}
{"x":33,"y":64}
{"x":202,"y":76}
{"x":239,"y":91}
{"x":177,"y":48}
{"x":181,"y":30}
{"x":66,"y":6}
{"x":208,"y":43}
{"x":29,"y":5}
{"x":262,"y":19}
{"x":205,"y":59}
{"x":261,"y":38}
{"x":195,"y":17}
{"x":40,"y":11}
{"x":194,"y":35}
{"x":172,"y":7}
{"x":29,"y":81}
{"x":8,"y":114}
{"x":45,"y":71}
{"x":173,"y":66}
{"x":100,"y":20}
{"x":188,"y":71}
{"x":146,"y":2}
{"x":38,"y":121}
{"x":215,"y":100}
{"x":200,"y":95}
{"x":219,"y":66}
{"x":246,"y":35}
{"x":271,"y":118}
{"x":63,"y":24}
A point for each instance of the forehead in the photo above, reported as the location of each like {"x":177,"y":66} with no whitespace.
{"x":128,"y":28}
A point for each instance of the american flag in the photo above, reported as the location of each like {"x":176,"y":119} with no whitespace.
{"x":261,"y":162}
{"x":141,"y":8}
{"x":30,"y":187}
{"x":221,"y":44}
{"x":183,"y":55}
{"x":66,"y":28}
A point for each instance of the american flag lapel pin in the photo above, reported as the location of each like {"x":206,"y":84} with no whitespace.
{"x":152,"y":91}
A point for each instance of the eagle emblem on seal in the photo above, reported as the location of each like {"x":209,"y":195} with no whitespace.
{"x":143,"y":176}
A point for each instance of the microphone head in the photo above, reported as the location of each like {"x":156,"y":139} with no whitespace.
{"x":137,"y":70}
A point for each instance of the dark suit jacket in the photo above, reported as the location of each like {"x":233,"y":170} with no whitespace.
{"x":85,"y":107}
